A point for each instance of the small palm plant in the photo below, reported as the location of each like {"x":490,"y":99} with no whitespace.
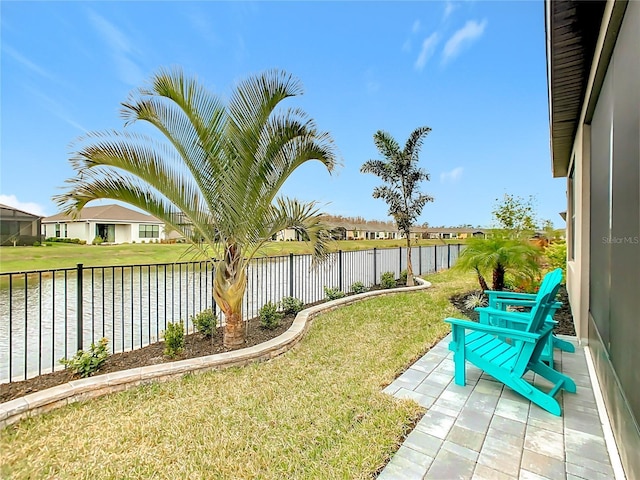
{"x":217,"y":177}
{"x":499,"y":255}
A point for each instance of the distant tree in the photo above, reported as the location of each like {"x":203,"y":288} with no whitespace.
{"x":515,"y":215}
{"x":400,"y":172}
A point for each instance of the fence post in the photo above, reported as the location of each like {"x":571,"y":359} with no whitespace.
{"x":79,"y":313}
{"x":448,"y":255}
{"x":375,"y":254}
{"x":400,"y":261}
{"x":340,"y":270}
{"x":420,"y":260}
{"x":435,"y":257}
{"x":291,"y":274}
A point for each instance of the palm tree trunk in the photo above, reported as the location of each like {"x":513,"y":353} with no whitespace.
{"x":229,"y":285}
{"x":481,"y":280}
{"x":234,"y":330}
{"x":410,"y":282}
{"x":498,"y":277}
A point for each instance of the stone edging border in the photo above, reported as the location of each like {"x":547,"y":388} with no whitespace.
{"x":92,"y":387}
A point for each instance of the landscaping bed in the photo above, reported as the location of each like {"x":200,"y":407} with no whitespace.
{"x":196,"y":345}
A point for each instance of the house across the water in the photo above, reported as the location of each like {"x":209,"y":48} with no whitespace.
{"x":112,"y":223}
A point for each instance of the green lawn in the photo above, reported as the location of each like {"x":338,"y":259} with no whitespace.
{"x":63,"y":255}
{"x":317,"y":412}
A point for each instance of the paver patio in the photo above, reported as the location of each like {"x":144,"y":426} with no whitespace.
{"x":487,"y":431}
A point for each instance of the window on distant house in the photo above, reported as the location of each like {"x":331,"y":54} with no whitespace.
{"x":149,"y":231}
{"x":57,"y":230}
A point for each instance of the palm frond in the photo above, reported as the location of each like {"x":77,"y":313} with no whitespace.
{"x":414,"y":143}
{"x":386,"y":144}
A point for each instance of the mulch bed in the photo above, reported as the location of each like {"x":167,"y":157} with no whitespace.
{"x":563,"y":316}
{"x":196,"y":345}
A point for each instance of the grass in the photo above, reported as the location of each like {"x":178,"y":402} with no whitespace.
{"x":63,"y":255}
{"x":315,"y":412}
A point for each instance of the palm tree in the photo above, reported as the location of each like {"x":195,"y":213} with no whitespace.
{"x":217,"y":177}
{"x":499,"y":255}
{"x":401,"y":174}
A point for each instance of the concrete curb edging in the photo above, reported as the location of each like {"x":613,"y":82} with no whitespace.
{"x":92,"y":387}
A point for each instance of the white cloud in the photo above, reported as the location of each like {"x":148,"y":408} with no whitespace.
{"x":29,"y":207}
{"x":56,"y":108}
{"x":25,"y":62}
{"x":471,"y":31}
{"x":121,"y":49}
{"x":449,"y":7}
{"x":452,"y":176}
{"x":416,"y":26}
{"x":428,"y":47}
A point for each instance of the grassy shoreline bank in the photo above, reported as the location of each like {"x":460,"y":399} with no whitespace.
{"x":64,"y":255}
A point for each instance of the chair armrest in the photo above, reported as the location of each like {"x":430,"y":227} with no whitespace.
{"x":507,"y":294}
{"x":496,"y":312}
{"x":480,"y":327}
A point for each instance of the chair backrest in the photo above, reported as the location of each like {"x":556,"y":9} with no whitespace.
{"x":549,"y":281}
{"x":545,"y":299}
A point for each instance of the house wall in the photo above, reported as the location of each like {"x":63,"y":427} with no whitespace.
{"x":79,"y":230}
{"x":603,"y":272}
{"x":286,"y":235}
{"x":124,"y":232}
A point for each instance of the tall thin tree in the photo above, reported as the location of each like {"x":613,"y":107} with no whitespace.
{"x":217,"y":176}
{"x":400,"y":172}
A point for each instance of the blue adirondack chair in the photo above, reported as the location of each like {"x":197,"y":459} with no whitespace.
{"x":508,"y":354}
{"x":502,"y":299}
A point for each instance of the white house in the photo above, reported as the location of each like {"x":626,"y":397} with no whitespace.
{"x":593,"y":63}
{"x":113,"y":223}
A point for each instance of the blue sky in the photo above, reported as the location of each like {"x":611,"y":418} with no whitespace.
{"x":473,"y":71}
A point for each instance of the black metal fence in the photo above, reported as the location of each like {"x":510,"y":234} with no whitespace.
{"x":46,"y":315}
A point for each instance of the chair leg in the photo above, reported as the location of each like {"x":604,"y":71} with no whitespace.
{"x":459,"y":358}
{"x":554,"y":376}
{"x":563,"y":345}
{"x":537,"y":396}
{"x":460,"y":370}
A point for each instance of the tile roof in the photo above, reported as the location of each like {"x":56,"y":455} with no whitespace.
{"x":112,"y":213}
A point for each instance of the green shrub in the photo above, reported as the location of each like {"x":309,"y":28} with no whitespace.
{"x":291,"y":305}
{"x":269,"y":316}
{"x":205,"y":322}
{"x":65,"y":240}
{"x":388,"y":280}
{"x":88,"y":363}
{"x":97,"y":240}
{"x":333,"y":293}
{"x":475,"y":300}
{"x":358,"y":287}
{"x":403,"y":276}
{"x":556,"y":254}
{"x":36,"y":244}
{"x":174,"y":339}
{"x":48,"y":244}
